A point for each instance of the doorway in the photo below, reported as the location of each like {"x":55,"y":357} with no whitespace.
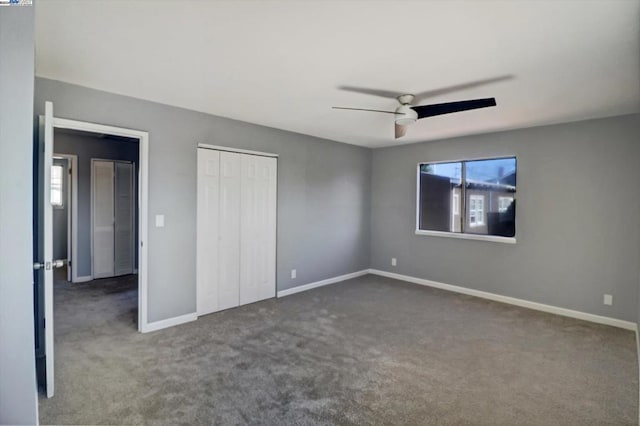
{"x":61,"y":183}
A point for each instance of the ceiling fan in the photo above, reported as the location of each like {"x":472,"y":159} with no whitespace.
{"x":407,"y":114}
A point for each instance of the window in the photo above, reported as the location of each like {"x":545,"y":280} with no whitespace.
{"x":476,"y":210}
{"x":504,"y":203}
{"x":57,"y":179}
{"x":467,"y":197}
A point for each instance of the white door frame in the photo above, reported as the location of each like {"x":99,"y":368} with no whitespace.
{"x":143,"y":200}
{"x":72,"y":215}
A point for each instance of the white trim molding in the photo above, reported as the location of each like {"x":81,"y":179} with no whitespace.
{"x":169,"y":322}
{"x":316,"y":284}
{"x":237,"y":150}
{"x":466,"y":236}
{"x":627,"y":325}
{"x":83,"y":279}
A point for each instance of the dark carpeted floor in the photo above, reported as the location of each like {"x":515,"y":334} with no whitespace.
{"x":366,"y":351}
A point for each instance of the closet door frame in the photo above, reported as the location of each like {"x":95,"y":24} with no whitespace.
{"x":262,"y":154}
{"x":91,"y":210}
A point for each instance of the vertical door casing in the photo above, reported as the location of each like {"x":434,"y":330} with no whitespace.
{"x":124,"y":255}
{"x":207,"y":230}
{"x":102,"y":175}
{"x":229,"y":248}
{"x":258,"y":228}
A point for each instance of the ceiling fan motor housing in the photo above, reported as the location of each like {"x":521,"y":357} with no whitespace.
{"x":409,"y":116}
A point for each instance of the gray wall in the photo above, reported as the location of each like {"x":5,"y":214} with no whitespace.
{"x":17,"y":356}
{"x":323,"y":191}
{"x":60,"y":216}
{"x":87,"y":146}
{"x":576,"y":220}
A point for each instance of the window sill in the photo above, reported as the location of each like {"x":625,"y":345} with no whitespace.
{"x":461,"y":236}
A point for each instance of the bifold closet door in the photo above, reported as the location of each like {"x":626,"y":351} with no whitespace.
{"x":258,"y":229}
{"x":236,"y":229}
{"x":208,"y":230}
{"x":229,"y":249}
{"x":103,"y":218}
{"x":218,"y":228}
{"x":124,"y":218}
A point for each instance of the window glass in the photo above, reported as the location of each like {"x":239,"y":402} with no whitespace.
{"x":439,"y":189}
{"x":490,"y":187}
{"x":468,"y":196}
{"x":57,"y":178}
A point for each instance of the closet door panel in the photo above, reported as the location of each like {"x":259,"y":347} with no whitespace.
{"x":229,"y":254}
{"x":103,"y":218}
{"x":124,"y":218}
{"x":258,"y":228}
{"x":207,"y":230}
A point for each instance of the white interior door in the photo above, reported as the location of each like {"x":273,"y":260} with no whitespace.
{"x":229,"y":254}
{"x":258,"y":229}
{"x":208,"y":230}
{"x":102,"y":175}
{"x":46,"y":264}
{"x":124,"y":255}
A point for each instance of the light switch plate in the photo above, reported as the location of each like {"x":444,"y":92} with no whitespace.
{"x":608,"y":299}
{"x":394,"y":261}
{"x":294,"y":274}
{"x":159,"y":221}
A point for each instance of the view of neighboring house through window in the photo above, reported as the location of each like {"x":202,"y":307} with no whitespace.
{"x":476,"y":197}
{"x":476,"y":210}
{"x":57,"y":179}
{"x":504,"y":203}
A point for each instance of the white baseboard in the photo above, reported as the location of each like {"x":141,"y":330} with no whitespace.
{"x":627,"y":325}
{"x":83,"y":279}
{"x":328,"y":281}
{"x":169,"y":322}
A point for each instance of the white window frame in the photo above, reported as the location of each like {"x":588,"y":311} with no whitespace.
{"x":501,"y":208}
{"x":476,"y":210}
{"x":457,"y":235}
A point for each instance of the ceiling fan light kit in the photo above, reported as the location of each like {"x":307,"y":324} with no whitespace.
{"x":406,"y":114}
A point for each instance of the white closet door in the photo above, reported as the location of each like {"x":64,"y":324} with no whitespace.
{"x":103,"y":218}
{"x":208,"y":230}
{"x":229,"y":254}
{"x":258,"y":229}
{"x":124,"y":218}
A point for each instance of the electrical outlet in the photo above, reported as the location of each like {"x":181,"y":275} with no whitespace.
{"x":608,"y":299}
{"x":294,"y":274}
{"x":394,"y":261}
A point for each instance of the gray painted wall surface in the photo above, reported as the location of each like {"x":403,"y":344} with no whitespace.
{"x":86,"y":147}
{"x":323,"y":191}
{"x":60,"y":216}
{"x":18,"y":403}
{"x":576,"y":221}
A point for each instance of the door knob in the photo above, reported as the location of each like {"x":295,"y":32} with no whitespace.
{"x":48,"y":265}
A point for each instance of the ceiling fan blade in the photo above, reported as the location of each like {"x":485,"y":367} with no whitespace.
{"x":449,"y":107}
{"x":457,"y":87}
{"x":374,"y":92}
{"x":370,"y":110}
{"x":400,"y":131}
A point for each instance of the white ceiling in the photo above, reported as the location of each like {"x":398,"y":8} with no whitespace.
{"x":279,"y":63}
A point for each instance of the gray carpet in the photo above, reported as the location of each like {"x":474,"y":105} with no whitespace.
{"x":366,"y":351}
